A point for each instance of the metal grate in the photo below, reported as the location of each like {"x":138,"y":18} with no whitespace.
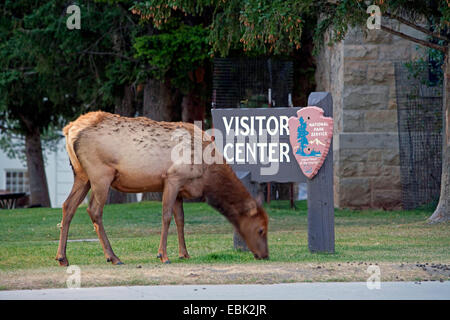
{"x":244,"y":82}
{"x":419,"y":107}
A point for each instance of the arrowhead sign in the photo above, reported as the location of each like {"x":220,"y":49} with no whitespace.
{"x":310,"y":136}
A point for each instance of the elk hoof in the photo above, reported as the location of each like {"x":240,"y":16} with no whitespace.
{"x":167,"y":262}
{"x":159,"y":256}
{"x":118,"y":263}
{"x":63,"y":262}
{"x":114,"y":261}
{"x":186,"y":256}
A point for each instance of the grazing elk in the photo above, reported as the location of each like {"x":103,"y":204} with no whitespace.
{"x":135,"y":155}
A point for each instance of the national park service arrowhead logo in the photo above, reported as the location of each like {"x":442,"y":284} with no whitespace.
{"x":310,"y":135}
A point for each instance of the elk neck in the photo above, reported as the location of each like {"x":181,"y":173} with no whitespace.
{"x":226,"y":193}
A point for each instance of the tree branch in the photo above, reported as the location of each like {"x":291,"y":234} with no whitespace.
{"x":419,"y":41}
{"x":419,"y":28}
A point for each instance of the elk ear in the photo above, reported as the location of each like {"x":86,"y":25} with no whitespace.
{"x":252,"y":208}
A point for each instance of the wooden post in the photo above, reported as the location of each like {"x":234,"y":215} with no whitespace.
{"x":320,"y":191}
{"x":244,"y":176}
{"x":291,"y":187}
{"x":269,"y":104}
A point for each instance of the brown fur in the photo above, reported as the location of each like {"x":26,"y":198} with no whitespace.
{"x":134,"y":155}
{"x":231,"y":198}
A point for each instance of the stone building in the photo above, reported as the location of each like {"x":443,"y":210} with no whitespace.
{"x":359,"y":72}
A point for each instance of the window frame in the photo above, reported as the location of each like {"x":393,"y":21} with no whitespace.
{"x":17,"y":181}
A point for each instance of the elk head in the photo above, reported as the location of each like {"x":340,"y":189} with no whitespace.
{"x":253,"y":228}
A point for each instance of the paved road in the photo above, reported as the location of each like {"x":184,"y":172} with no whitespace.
{"x":292,"y":291}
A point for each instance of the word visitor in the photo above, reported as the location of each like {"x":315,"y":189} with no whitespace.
{"x":252,"y":134}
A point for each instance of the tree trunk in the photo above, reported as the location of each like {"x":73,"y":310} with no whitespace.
{"x":124,"y":107}
{"x":193,"y":105}
{"x":36,"y":169}
{"x":442,"y":212}
{"x":192,"y":108}
{"x":160,"y":103}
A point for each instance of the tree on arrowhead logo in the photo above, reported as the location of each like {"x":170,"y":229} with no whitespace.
{"x":310,"y":136}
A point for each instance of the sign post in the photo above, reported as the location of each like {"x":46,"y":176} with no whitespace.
{"x":320,"y":191}
{"x":258,"y":141}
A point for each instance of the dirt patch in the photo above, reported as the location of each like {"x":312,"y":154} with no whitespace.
{"x":266,"y":273}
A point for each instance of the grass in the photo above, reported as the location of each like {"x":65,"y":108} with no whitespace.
{"x":29,"y":240}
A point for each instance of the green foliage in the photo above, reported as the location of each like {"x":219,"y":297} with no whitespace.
{"x":49,"y":74}
{"x":34,"y":75}
{"x":275,"y":26}
{"x":337,"y":17}
{"x":431,"y":65}
{"x":174,"y":54}
{"x":264,"y":27}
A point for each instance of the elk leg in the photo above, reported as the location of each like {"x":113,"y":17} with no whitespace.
{"x":79,"y":191}
{"x":95,"y":210}
{"x":169,"y":198}
{"x":179,"y":221}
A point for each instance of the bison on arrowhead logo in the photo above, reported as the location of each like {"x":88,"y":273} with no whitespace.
{"x":310,"y":135}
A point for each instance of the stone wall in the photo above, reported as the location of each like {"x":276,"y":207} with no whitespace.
{"x":359,"y":72}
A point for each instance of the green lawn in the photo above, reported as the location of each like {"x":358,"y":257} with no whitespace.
{"x":29,"y":238}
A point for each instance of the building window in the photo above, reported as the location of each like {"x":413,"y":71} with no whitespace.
{"x":17,"y":181}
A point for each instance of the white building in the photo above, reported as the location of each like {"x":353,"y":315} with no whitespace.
{"x":14,"y":177}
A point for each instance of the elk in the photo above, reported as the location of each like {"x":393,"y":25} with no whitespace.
{"x":135,"y":155}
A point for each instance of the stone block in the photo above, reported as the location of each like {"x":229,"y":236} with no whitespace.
{"x":355,"y":72}
{"x":374,"y":97}
{"x":387,"y":199}
{"x":374,"y":155}
{"x":380,"y":72}
{"x":391,"y":171}
{"x":353,"y":155}
{"x":354,"y":193}
{"x":349,"y":169}
{"x":371,"y":169}
{"x":353,"y":121}
{"x":380,"y":121}
{"x":368,"y":140}
{"x":398,"y":51}
{"x":385,"y":183}
{"x":361,"y":52}
{"x":391,"y":158}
